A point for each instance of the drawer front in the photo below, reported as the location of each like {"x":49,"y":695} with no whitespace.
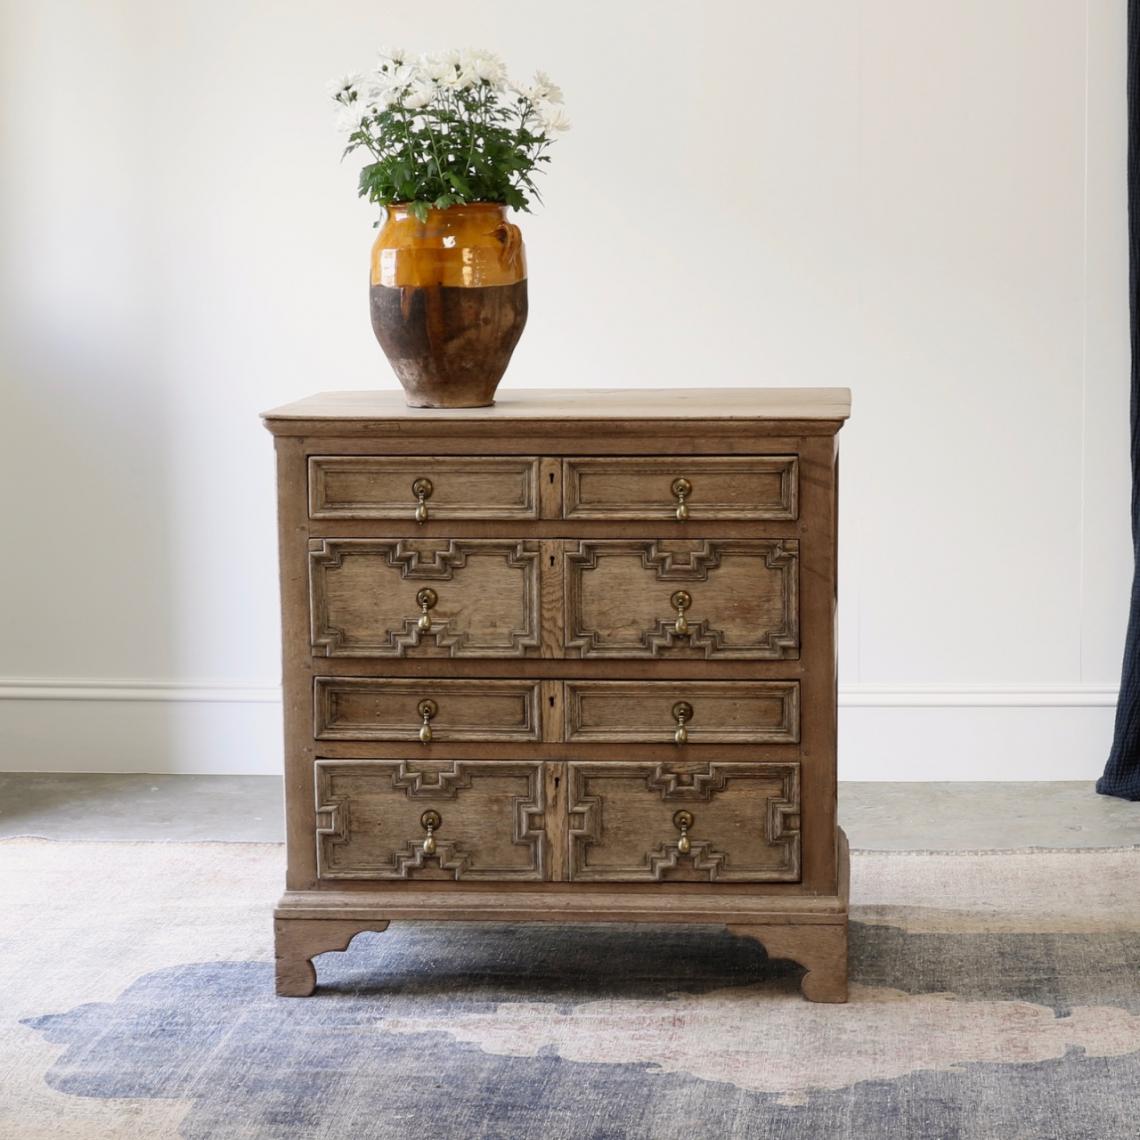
{"x":714,"y":822}
{"x":683,"y":712}
{"x":736,"y":598}
{"x":424,"y":597}
{"x":373,"y":817}
{"x":450,"y":487}
{"x":429,"y":709}
{"x":695,"y":488}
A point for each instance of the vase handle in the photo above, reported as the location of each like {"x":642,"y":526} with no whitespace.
{"x":510,"y":236}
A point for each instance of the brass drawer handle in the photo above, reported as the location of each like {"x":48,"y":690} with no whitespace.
{"x":682,"y":489}
{"x":422,"y":489}
{"x":682,"y":713}
{"x":683,"y":820}
{"x":681,"y":601}
{"x":427,"y":708}
{"x":430,"y":821}
{"x":425,"y":599}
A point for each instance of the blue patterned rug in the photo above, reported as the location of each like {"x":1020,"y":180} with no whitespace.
{"x":995,"y":995}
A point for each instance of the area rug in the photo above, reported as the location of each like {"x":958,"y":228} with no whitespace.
{"x":995,"y":995}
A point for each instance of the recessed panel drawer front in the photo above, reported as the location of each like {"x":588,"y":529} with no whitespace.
{"x":688,"y":488}
{"x":463,"y":820}
{"x":438,"y":487}
{"x":429,"y":710}
{"x":683,"y":712}
{"x":685,"y":822}
{"x":714,"y":599}
{"x":424,"y":597}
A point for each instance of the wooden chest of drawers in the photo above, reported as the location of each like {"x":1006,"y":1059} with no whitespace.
{"x":569,"y":658}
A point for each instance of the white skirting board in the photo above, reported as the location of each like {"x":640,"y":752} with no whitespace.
{"x":898,"y":732}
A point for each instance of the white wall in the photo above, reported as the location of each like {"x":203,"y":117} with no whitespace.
{"x":923,"y":201}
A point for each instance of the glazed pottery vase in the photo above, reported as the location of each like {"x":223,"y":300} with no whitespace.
{"x":448,"y":300}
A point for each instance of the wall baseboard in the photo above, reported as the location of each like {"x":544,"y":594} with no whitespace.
{"x":886,"y":732}
{"x":112,"y":689}
{"x":850,"y":696}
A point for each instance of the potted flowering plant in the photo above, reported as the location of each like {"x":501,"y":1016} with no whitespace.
{"x":452,"y":144}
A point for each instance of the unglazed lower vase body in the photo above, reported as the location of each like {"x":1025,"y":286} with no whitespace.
{"x":449,"y":302}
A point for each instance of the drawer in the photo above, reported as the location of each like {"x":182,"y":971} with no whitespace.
{"x":734,"y":598}
{"x":424,"y":597}
{"x":451,"y":487}
{"x":714,"y":822}
{"x":683,"y":712}
{"x":695,"y":488}
{"x":486,"y":820}
{"x":362,"y":708}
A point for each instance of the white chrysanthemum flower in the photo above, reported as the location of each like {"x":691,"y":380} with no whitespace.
{"x":419,"y":95}
{"x":554,"y":119}
{"x":386,"y":87}
{"x":351,"y":117}
{"x":482,"y":66}
{"x":392,"y":56}
{"x":546,"y":90}
{"x":343,"y":89}
{"x":377,"y":98}
{"x":438,"y":68}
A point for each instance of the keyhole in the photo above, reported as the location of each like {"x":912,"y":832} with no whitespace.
{"x":552,"y":560}
{"x":552,"y":476}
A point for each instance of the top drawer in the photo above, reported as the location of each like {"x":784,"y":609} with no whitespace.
{"x":439,"y":487}
{"x":687,"y":487}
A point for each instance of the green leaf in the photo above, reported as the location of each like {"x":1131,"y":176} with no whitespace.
{"x":461,"y":184}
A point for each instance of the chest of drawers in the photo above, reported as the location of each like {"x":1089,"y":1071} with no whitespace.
{"x":570,"y":658}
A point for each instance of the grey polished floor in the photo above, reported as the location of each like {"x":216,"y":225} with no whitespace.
{"x":877,"y":816}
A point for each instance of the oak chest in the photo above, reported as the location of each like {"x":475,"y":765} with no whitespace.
{"x":570,"y":658}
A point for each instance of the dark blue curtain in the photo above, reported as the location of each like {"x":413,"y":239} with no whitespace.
{"x":1122,"y":773}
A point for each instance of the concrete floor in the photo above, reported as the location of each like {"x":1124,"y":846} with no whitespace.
{"x":877,"y":816}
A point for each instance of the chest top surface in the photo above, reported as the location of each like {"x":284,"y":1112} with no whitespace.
{"x":807,"y":410}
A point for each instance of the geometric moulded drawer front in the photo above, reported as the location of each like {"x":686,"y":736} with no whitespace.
{"x":701,"y":712}
{"x":456,"y":487}
{"x":366,"y":708}
{"x":693,"y":822}
{"x":397,"y":819}
{"x":424,"y":597}
{"x":714,"y":599}
{"x":758,"y":487}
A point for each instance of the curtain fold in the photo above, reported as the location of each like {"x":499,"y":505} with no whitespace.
{"x":1122,"y":772}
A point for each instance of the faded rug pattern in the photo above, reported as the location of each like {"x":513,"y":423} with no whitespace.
{"x":995,"y":995}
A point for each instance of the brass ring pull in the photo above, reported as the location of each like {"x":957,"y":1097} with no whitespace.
{"x":681,"y":601}
{"x":425,"y":599}
{"x":430,"y":821}
{"x":427,"y":708}
{"x":682,"y":489}
{"x":683,"y":820}
{"x":422,"y":489}
{"x":682,"y":712}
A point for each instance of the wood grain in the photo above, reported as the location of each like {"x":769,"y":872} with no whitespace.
{"x":462,"y":487}
{"x":752,"y":487}
{"x":721,"y":712}
{"x":519,"y":613}
{"x":370,"y":819}
{"x":636,"y":407}
{"x":364,"y":597}
{"x":299,"y":940}
{"x":744,"y":598}
{"x":822,"y":949}
{"x":623,"y":825}
{"x":373,"y":708}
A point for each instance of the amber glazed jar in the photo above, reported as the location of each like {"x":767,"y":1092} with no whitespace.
{"x":449,"y":301}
